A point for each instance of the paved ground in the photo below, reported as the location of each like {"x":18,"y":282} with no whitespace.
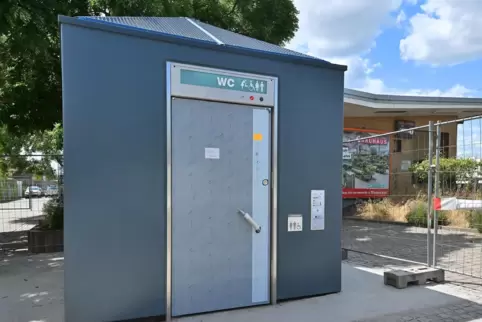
{"x":468,"y":290}
{"x":32,"y":290}
{"x":31,"y":287}
{"x":364,"y":298}
{"x":17,"y":216}
{"x":458,"y":250}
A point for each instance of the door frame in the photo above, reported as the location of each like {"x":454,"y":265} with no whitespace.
{"x":273,"y":192}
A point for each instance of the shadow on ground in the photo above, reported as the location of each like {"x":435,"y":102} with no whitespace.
{"x":456,"y":250}
{"x":32,"y":220}
{"x":12,"y":241}
{"x":31,"y":287}
{"x":32,"y":290}
{"x":365,"y":298}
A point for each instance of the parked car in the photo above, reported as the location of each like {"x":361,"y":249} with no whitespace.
{"x":52,"y":190}
{"x":33,"y":191}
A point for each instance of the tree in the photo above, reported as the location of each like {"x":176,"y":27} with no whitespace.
{"x":10,"y":149}
{"x":30,"y":81}
{"x":31,"y":154}
{"x":48,"y":143}
{"x":30,"y":71}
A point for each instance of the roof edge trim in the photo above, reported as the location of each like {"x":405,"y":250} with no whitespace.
{"x":408,"y":99}
{"x":157,"y":36}
{"x":210,"y":35}
{"x":86,"y":22}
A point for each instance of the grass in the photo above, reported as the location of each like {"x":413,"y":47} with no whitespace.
{"x":383,"y":210}
{"x":414,"y":212}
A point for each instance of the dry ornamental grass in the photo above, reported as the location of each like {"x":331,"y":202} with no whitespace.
{"x":415,"y":211}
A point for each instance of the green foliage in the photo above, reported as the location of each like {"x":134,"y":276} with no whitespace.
{"x":30,"y":70}
{"x":54,"y":215}
{"x":451,"y":170}
{"x":417,"y":216}
{"x":30,"y":82}
{"x":49,"y":143}
{"x":474,"y":218}
{"x":14,"y":149}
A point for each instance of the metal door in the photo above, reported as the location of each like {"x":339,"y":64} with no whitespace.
{"x":220,"y":180}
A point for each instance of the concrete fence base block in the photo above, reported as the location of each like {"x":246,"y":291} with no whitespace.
{"x":344,"y":254}
{"x":416,"y":276}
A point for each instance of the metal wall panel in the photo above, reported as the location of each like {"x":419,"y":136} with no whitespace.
{"x":115,"y":172}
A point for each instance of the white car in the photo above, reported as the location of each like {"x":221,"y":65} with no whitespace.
{"x":33,"y":191}
{"x":52,"y":190}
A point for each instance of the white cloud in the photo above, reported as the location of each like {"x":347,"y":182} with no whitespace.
{"x":446,"y":32}
{"x":344,"y":32}
{"x":359,"y":76}
{"x":341,"y":28}
{"x":454,"y":91}
{"x":411,"y":2}
{"x":401,"y":17}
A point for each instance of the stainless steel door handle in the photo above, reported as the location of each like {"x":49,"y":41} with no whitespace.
{"x":250,"y":220}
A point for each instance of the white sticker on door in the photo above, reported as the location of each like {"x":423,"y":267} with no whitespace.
{"x":211,"y":153}
{"x":317,"y":209}
{"x":295,"y":223}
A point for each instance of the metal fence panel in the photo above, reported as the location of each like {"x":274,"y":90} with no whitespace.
{"x":432,"y":214}
{"x":20,"y":210}
{"x":458,"y":238}
{"x":395,"y":225}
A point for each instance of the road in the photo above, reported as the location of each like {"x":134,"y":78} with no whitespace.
{"x":17,"y":216}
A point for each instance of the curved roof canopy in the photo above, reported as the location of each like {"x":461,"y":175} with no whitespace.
{"x":362,"y":104}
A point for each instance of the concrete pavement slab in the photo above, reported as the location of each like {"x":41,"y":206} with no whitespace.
{"x":364,"y":296}
{"x":31,"y":289}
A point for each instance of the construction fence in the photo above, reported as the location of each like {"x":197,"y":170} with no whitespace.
{"x":425,"y":207}
{"x":28,"y":184}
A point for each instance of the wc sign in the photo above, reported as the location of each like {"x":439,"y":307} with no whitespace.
{"x":224,"y":81}
{"x":205,"y":79}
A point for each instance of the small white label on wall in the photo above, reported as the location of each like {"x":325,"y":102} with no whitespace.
{"x":211,"y":153}
{"x":295,"y":223}
{"x":317,"y":209}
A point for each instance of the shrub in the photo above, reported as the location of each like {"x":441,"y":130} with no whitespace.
{"x":474,"y":218}
{"x":451,"y":171}
{"x":417,"y":215}
{"x":54,"y":215}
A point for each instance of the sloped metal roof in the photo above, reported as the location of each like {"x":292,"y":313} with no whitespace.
{"x":180,"y":27}
{"x":189,"y":28}
{"x":233,"y":39}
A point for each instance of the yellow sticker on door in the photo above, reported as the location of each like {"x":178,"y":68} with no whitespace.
{"x":257,"y":136}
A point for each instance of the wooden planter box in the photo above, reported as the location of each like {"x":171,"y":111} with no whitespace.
{"x":45,"y":241}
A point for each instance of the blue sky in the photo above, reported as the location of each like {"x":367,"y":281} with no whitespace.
{"x":411,"y":47}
